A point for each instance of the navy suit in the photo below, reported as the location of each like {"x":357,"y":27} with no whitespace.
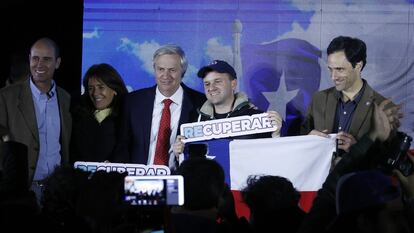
{"x":136,"y":122}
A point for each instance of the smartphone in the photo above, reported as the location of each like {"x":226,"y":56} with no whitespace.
{"x":154,"y":190}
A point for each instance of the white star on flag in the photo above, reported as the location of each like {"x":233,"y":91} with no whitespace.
{"x":279,"y":98}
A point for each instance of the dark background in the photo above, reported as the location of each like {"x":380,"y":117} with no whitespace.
{"x":23,"y":22}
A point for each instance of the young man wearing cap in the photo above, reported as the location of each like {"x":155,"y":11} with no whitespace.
{"x":220,"y":82}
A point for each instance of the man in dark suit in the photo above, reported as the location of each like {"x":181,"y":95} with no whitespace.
{"x":346,"y":108}
{"x":142,"y":115}
{"x":36,"y":113}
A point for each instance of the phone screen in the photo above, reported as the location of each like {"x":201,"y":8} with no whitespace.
{"x":154,"y":190}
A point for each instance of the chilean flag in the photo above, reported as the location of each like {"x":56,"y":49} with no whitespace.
{"x":304,"y":160}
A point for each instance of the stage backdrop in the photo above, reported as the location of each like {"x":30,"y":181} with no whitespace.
{"x":278,"y":47}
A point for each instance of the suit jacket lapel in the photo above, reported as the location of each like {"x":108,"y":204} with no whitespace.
{"x":187,"y":106}
{"x":147,"y":109}
{"x":26,"y":108}
{"x":65,"y":123}
{"x":64,"y":118}
{"x":331,"y":103}
{"x":361,"y":111}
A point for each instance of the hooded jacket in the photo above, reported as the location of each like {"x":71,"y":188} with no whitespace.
{"x":241,"y":107}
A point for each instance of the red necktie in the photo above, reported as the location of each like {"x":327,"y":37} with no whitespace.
{"x":164,"y":132}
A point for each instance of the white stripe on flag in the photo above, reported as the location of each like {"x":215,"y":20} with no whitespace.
{"x":304,"y":160}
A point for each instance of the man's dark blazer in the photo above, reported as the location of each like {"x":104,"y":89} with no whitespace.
{"x":134,"y":141}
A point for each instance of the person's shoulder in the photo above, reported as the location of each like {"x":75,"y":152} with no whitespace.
{"x":374,"y":95}
{"x":142,"y":91}
{"x":324,"y":93}
{"x":15,"y":91}
{"x":193,"y":94}
{"x":142,"y":94}
{"x":371,"y":90}
{"x":63,"y":92}
{"x":80,"y":110}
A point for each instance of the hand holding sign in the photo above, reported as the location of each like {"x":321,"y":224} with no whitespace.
{"x":276,"y":120}
{"x":230,"y":127}
{"x":178,"y":146}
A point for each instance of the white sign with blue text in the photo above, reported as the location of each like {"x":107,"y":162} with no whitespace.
{"x":131,"y":169}
{"x":228,"y":127}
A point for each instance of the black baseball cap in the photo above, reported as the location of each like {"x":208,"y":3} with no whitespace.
{"x":218,"y":66}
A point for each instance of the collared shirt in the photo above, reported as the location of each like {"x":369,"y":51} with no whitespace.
{"x":175,"y":109}
{"x":345,"y":111}
{"x":48,"y":124}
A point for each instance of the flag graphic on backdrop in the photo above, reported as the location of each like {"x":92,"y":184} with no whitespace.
{"x":282,"y":76}
{"x":278,"y":48}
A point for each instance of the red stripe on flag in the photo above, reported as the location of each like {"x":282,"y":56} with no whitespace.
{"x":306,"y":200}
{"x":242,"y":209}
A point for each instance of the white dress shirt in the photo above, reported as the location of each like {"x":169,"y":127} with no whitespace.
{"x":175,"y":109}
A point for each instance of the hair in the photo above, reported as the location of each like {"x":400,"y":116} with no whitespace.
{"x":108,"y":75}
{"x":60,"y":195}
{"x":274,"y":203}
{"x":203,"y":183}
{"x":172,"y":49}
{"x":355,"y":49}
{"x":100,"y":201}
{"x":51,"y":43}
{"x":269,"y":193}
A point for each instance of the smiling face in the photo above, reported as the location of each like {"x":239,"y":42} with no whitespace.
{"x":219,"y":89}
{"x":100,"y":94}
{"x":344,"y":76}
{"x":168,"y":73}
{"x":43,"y":63}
